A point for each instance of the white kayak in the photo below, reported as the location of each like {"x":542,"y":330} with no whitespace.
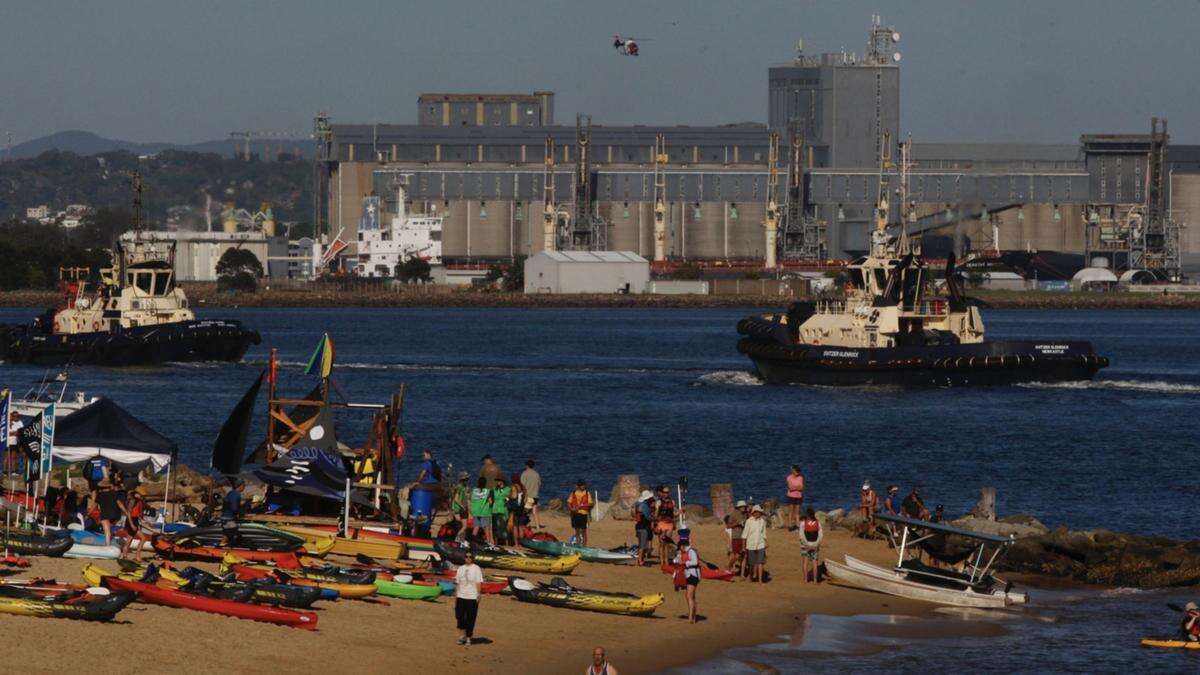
{"x":97,"y":551}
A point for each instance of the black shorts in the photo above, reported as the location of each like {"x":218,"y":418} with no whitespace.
{"x":795,"y":500}
{"x":110,"y":516}
{"x":693,"y":581}
{"x":579,"y":521}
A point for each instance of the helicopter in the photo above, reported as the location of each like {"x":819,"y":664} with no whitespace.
{"x":627,"y":46}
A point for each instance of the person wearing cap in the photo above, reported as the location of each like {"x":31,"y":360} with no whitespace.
{"x":735,"y":521}
{"x":689,"y":559}
{"x":531,"y":480}
{"x":643,"y":524}
{"x":580,"y":505}
{"x":755,"y":532}
{"x":868,"y":505}
{"x":1189,"y":628}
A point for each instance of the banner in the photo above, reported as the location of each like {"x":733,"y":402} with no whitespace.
{"x":47,"y":439}
{"x":29,"y":440}
{"x":5,"y":405}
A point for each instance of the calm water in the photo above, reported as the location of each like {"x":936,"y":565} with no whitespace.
{"x":665,"y":394}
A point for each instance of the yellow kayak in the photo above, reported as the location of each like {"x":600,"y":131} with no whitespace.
{"x":1170,"y":644}
{"x":561,"y":594}
{"x":374,"y":548}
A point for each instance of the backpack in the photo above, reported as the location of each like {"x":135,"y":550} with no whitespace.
{"x":437,"y":470}
{"x":96,"y":469}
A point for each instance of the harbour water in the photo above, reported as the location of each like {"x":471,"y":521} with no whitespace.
{"x":597,"y":393}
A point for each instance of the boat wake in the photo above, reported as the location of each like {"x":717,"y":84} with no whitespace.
{"x":1147,"y":386}
{"x":728,"y":377}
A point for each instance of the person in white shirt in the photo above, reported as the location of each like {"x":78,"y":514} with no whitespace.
{"x":690,"y":560}
{"x":15,"y":456}
{"x":600,"y":664}
{"x":466,"y":597}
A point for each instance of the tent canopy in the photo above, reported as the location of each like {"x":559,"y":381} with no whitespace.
{"x":107,"y":430}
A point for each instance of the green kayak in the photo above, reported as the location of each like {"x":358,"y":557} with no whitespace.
{"x":396,"y":589}
{"x":588,"y":553}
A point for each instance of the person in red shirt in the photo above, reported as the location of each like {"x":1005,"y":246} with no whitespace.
{"x":795,"y":497}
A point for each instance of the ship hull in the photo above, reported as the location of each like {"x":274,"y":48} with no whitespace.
{"x":986,"y":363}
{"x":198,"y":340}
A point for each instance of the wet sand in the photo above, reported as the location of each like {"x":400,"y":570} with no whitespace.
{"x":407,"y":636}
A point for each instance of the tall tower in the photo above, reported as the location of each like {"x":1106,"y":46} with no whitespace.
{"x":660,"y":198}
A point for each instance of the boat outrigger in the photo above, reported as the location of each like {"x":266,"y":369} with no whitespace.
{"x":972,"y":585}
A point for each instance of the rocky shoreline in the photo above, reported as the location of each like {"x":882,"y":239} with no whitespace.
{"x":376,"y":295}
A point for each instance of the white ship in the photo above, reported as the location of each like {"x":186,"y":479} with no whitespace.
{"x":382,"y":248}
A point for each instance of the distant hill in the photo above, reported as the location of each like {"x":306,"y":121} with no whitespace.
{"x":85,"y":143}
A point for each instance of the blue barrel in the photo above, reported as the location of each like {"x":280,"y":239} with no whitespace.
{"x":421,"y":502}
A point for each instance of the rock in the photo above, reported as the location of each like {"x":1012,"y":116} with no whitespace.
{"x":836,"y":515}
{"x":1107,"y":558}
{"x":695,"y":514}
{"x":183,"y":474}
{"x":777,"y":520}
{"x":602,"y":509}
{"x":624,"y":495}
{"x":555,"y":504}
{"x":721,"y":496}
{"x":1030,"y":521}
{"x":985,"y":508}
{"x":1003,"y":529}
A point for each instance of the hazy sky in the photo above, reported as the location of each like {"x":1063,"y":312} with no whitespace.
{"x":972,"y":71}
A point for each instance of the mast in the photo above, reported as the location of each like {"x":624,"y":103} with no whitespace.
{"x":660,"y":197}
{"x":549,"y":226}
{"x":771,"y":221}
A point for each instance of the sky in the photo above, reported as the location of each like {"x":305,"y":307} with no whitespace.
{"x":983,"y":71}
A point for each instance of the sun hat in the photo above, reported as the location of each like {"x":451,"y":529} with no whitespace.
{"x":1191,"y":607}
{"x":866,"y":485}
{"x":757,"y":509}
{"x":646,"y":494}
{"x":741,"y":503}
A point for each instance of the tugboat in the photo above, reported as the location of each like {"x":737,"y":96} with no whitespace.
{"x":890,"y":328}
{"x":136,"y":315}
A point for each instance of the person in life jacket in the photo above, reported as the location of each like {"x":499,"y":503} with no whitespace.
{"x":580,"y":505}
{"x":664,"y":520}
{"x":687,"y":561}
{"x":811,"y":534}
{"x":1189,"y":628}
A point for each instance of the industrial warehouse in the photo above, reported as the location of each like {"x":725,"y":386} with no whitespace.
{"x":796,"y":193}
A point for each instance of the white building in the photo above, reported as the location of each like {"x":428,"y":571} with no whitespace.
{"x":38,"y":213}
{"x":382,"y":247}
{"x":197,"y":253}
{"x":586,"y":272}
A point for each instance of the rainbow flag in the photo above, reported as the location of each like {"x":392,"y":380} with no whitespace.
{"x":322,"y":358}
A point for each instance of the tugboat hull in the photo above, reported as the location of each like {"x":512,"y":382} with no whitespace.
{"x":986,"y":363}
{"x":197,"y":340}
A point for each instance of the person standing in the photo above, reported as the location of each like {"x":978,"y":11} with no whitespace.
{"x":531,"y":480}
{"x":580,"y":505}
{"x":600,"y":664}
{"x":95,"y":470}
{"x":460,"y":505}
{"x":664,"y":520}
{"x":811,"y":534}
{"x":735,"y":520}
{"x":481,"y":511}
{"x":500,"y":511}
{"x":868,"y":504}
{"x":518,"y":520}
{"x":111,"y":503}
{"x":690,"y":560}
{"x":231,"y":510}
{"x":135,"y":508}
{"x":467,"y":579}
{"x":643,"y":525}
{"x":490,"y":471}
{"x":795,"y":497}
{"x":755,"y":532}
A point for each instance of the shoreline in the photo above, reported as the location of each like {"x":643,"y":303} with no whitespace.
{"x":204,"y":294}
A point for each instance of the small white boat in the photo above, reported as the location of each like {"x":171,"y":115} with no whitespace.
{"x":53,"y":390}
{"x":973,"y":587}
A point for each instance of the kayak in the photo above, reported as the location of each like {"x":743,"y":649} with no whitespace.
{"x":416,"y":548}
{"x":170,"y":549}
{"x":1170,"y":644}
{"x":559,"y":593}
{"x":97,"y":551}
{"x":374,"y":548}
{"x":706,"y":572}
{"x":508,"y":560}
{"x":346,"y":588}
{"x":588,"y":553}
{"x":263,"y":591}
{"x":250,"y":536}
{"x":171,"y":597}
{"x":407,"y":591}
{"x":29,"y":543}
{"x":62,"y":605}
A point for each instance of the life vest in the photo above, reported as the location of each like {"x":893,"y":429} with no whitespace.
{"x":579,"y":504}
{"x":812,"y":528}
{"x":666,"y":509}
{"x":364,"y":469}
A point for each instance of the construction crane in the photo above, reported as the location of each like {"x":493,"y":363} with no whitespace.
{"x":587,"y":231}
{"x":660,"y":198}
{"x":771,"y":221}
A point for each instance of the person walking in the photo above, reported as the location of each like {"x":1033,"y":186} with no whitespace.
{"x":580,"y":504}
{"x":112,"y":508}
{"x":500,"y":511}
{"x":643,"y":525}
{"x":735,"y":521}
{"x":490,"y":471}
{"x":600,"y":664}
{"x":231,"y":510}
{"x":795,"y":497}
{"x":811,"y":534}
{"x":467,"y":579}
{"x":755,"y":532}
{"x":460,"y":505}
{"x":531,"y":480}
{"x":689,"y":559}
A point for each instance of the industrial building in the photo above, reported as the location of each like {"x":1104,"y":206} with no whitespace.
{"x":197,"y":253}
{"x":497,"y":178}
{"x":586,"y":272}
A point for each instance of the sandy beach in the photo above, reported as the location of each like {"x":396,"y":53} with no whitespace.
{"x":407,"y":636}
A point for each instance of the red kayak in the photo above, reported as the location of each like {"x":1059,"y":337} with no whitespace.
{"x":705,"y":572}
{"x":170,"y":597}
{"x":168,"y":549}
